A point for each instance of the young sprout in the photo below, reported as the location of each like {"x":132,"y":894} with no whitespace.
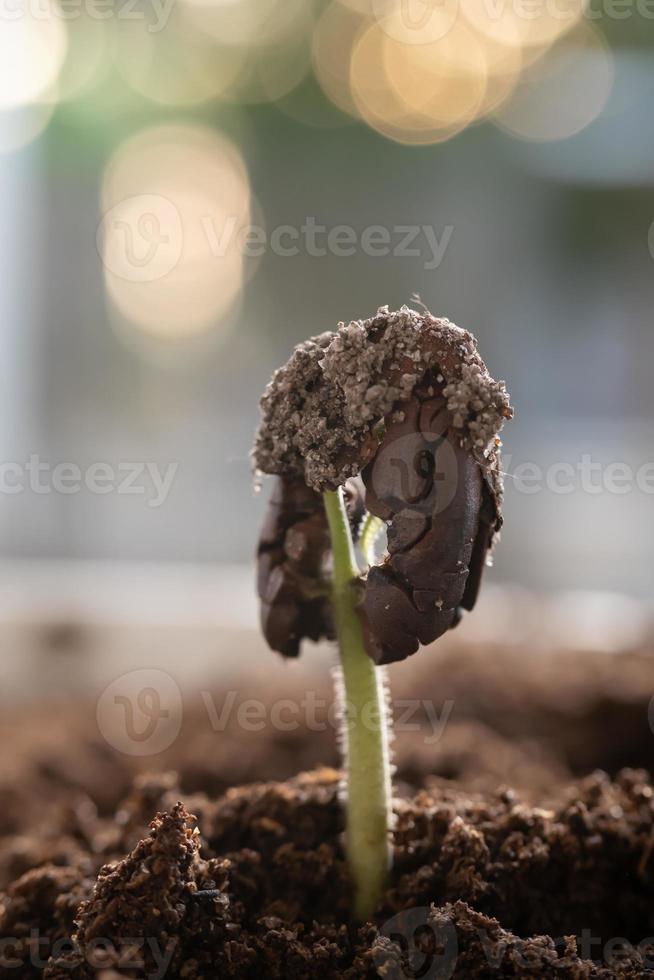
{"x":391,"y":422}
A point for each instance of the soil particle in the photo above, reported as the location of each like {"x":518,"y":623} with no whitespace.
{"x":320,"y":409}
{"x":259,"y":889}
{"x":505,"y":852}
{"x":36,"y":914}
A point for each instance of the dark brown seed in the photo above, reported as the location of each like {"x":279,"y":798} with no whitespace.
{"x":405,"y":400}
{"x":292,"y":563}
{"x":442,"y":515}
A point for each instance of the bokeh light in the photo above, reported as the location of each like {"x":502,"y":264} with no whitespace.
{"x":418,"y":93}
{"x":251,"y":23}
{"x":415,"y":22}
{"x":272,"y":72}
{"x":333,"y":42}
{"x":504,"y":64}
{"x":523,"y":23}
{"x":563,"y":93}
{"x":177,"y":65}
{"x":21,"y":125}
{"x":33,"y":45}
{"x":444,"y":80}
{"x":417,"y":71}
{"x":420,"y":72}
{"x":175,"y":202}
{"x":87,"y":56}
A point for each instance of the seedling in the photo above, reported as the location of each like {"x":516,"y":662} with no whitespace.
{"x":392,"y":424}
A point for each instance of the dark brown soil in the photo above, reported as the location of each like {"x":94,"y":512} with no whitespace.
{"x":551,"y":878}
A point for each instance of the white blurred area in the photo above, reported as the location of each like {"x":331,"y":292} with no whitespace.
{"x":78,"y":627}
{"x":136,"y":328}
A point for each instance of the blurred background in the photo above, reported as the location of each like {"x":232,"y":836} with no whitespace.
{"x":189,"y":187}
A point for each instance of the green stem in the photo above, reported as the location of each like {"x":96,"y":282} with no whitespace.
{"x":366,"y":726}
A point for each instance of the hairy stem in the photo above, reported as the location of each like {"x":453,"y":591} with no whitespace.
{"x":366,"y":726}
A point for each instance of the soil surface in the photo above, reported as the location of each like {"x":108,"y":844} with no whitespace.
{"x":524,"y":835}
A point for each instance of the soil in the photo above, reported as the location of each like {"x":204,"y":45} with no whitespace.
{"x":524,"y":836}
